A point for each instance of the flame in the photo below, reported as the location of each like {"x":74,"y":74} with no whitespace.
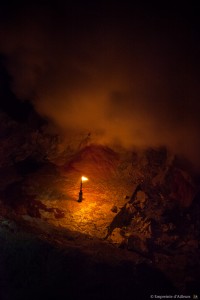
{"x":83,"y":178}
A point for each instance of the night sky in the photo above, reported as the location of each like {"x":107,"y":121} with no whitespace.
{"x":129,"y":73}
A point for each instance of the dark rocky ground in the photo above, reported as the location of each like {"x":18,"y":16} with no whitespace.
{"x":136,"y":233}
{"x":38,"y":265}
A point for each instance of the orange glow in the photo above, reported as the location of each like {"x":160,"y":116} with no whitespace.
{"x":83,"y":178}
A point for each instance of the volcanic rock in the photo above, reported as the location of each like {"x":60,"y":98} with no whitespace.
{"x":116,"y":236}
{"x":137,"y":244}
{"x":114,"y":209}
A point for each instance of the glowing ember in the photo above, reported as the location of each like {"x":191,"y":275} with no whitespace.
{"x":83,"y":178}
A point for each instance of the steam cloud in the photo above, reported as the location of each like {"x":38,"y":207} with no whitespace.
{"x":131,"y":78}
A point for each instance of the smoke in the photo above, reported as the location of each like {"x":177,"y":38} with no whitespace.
{"x":133,"y":79}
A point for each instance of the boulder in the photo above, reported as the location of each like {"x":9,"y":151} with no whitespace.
{"x":116,"y":236}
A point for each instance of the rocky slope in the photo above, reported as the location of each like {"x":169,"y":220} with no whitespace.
{"x":145,"y":201}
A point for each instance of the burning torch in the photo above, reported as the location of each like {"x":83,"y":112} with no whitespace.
{"x":80,"y":198}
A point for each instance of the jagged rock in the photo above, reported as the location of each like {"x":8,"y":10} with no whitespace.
{"x":145,"y":227}
{"x":136,"y":244}
{"x":141,"y":225}
{"x":124,"y":216}
{"x":141,"y":197}
{"x":131,"y":208}
{"x":114,"y":209}
{"x":116,"y":236}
